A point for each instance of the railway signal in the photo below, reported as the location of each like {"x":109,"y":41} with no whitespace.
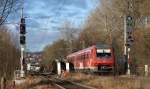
{"x":129,"y":21}
{"x":129,"y":29}
{"x":22,"y":32}
{"x":129,"y":39}
{"x":22,"y":26}
{"x":22,"y":39}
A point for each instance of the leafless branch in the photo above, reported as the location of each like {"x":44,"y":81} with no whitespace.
{"x":6,"y":7}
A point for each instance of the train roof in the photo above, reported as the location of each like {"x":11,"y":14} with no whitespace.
{"x":99,"y":46}
{"x":80,"y":51}
{"x":104,"y":46}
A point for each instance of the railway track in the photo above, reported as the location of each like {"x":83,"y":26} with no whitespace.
{"x":64,"y":84}
{"x":61,"y":83}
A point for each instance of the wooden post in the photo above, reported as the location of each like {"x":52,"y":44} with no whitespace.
{"x":3,"y":83}
{"x":146,"y":70}
{"x":13,"y":84}
{"x":67,"y":67}
{"x":58,"y":68}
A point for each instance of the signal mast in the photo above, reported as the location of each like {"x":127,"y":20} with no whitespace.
{"x":128,"y":34}
{"x":22,"y":43}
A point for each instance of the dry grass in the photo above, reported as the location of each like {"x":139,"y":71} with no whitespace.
{"x":100,"y":82}
{"x":34,"y":83}
{"x":36,"y":87}
{"x":110,"y":82}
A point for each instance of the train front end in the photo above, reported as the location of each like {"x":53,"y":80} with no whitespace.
{"x":104,"y":59}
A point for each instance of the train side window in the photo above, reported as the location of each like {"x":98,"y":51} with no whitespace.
{"x":72,"y":58}
{"x":82,"y":57}
{"x":69,"y":58}
{"x":88,"y":56}
{"x":78,"y":57}
{"x":85,"y":55}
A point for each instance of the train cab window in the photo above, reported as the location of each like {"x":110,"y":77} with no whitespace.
{"x":103,"y":55}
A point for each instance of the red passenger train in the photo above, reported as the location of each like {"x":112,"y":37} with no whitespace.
{"x":97,"y":58}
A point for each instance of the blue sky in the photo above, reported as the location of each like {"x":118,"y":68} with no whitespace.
{"x":44,"y":17}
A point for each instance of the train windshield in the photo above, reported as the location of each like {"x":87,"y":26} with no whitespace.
{"x":103,"y":54}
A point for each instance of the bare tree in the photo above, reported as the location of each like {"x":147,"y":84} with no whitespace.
{"x":6,"y":7}
{"x":69,"y":33}
{"x":9,"y":54}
